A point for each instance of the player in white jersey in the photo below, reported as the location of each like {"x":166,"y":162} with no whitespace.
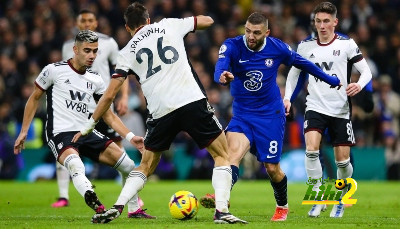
{"x":106,"y":56}
{"x":70,"y":87}
{"x":176,"y":102}
{"x":327,"y":108}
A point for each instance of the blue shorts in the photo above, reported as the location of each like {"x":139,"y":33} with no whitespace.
{"x":265,"y":135}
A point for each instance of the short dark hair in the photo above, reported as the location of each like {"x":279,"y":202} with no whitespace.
{"x":326,"y":7}
{"x":257,"y":18}
{"x":86,"y":11}
{"x":136,"y":15}
{"x":86,"y":36}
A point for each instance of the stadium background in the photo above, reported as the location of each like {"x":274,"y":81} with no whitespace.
{"x":32,"y":33}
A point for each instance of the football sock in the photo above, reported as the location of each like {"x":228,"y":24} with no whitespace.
{"x":313,"y":168}
{"x":235,"y":174}
{"x":124,"y":166}
{"x":77,"y":171}
{"x":222,"y":183}
{"x":134,"y":183}
{"x":62,"y":180}
{"x":345,"y":170}
{"x":280,"y":192}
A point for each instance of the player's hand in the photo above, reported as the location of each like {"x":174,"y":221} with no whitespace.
{"x":19,"y":143}
{"x":226,"y":77}
{"x":122,"y":106}
{"x":353,"y":89}
{"x":138,"y":142}
{"x":76,"y":137}
{"x":338,"y":86}
{"x":287,"y":105}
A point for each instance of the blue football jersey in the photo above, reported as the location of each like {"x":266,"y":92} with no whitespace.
{"x":254,"y":88}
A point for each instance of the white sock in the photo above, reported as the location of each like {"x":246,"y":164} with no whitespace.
{"x":77,"y":171}
{"x":134,"y":183}
{"x":62,"y":180}
{"x":344,"y":170}
{"x":125,"y":165}
{"x":313,"y":168}
{"x":222,"y":182}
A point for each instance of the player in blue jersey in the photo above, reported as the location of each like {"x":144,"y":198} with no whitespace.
{"x":250,"y":64}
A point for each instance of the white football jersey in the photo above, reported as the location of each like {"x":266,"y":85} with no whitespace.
{"x":156,"y":54}
{"x":68,"y":94}
{"x":334,"y":58}
{"x":106,"y":55}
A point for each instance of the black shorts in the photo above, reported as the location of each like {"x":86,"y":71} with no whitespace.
{"x":196,"y":118}
{"x":340,"y":130}
{"x":89,"y":146}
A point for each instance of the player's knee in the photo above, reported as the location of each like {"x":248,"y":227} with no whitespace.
{"x":312,"y":154}
{"x":74,"y":165}
{"x":272,"y":169}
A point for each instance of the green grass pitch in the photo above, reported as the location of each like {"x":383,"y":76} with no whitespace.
{"x":27,"y":205}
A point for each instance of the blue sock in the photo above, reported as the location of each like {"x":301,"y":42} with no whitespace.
{"x":235,"y":174}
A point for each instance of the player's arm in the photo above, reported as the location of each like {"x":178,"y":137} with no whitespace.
{"x":29,"y":112}
{"x":366,"y":76}
{"x":291,"y":83}
{"x":203,"y":22}
{"x":222,"y":75}
{"x":115,"y":123}
{"x":102,"y":106}
{"x":311,"y":68}
{"x":122,"y":104}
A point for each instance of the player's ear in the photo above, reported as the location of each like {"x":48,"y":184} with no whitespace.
{"x":267,"y":33}
{"x":148,"y":21}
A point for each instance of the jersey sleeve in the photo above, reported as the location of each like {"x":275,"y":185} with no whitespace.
{"x":122,"y":68}
{"x":225,"y":54}
{"x":45,"y":78}
{"x":100,"y":89}
{"x":354,"y":53}
{"x":114,"y":52}
{"x":288,"y":54}
{"x":182,"y":25}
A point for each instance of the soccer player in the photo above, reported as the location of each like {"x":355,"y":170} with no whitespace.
{"x":176,"y":101}
{"x":106,"y":56}
{"x":326,"y":108}
{"x":250,"y":64}
{"x":70,"y":87}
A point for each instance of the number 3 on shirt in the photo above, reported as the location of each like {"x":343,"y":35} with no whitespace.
{"x":161,"y":53}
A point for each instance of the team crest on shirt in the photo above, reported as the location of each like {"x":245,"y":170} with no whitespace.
{"x":269,"y":62}
{"x":222,"y":49}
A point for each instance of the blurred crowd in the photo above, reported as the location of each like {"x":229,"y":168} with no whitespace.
{"x":32,"y":33}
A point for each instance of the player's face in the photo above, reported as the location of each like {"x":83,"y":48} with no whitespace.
{"x":255,"y":35}
{"x":325,"y":25}
{"x":86,"y":21}
{"x":85,"y":53}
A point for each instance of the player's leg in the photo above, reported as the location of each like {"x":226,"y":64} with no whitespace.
{"x":160,"y":134}
{"x":314,"y":125}
{"x":268,"y":137}
{"x":115,"y":157}
{"x":134,"y":183}
{"x":76,"y":168}
{"x":66,"y":153}
{"x":199,"y":121}
{"x":62,"y":176}
{"x":342,"y":136}
{"x":222,"y":181}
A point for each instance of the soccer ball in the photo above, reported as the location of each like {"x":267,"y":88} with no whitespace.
{"x":183,"y":205}
{"x":340,"y":184}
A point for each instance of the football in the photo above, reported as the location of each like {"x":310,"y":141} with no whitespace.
{"x":183,"y":205}
{"x":340,"y":184}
